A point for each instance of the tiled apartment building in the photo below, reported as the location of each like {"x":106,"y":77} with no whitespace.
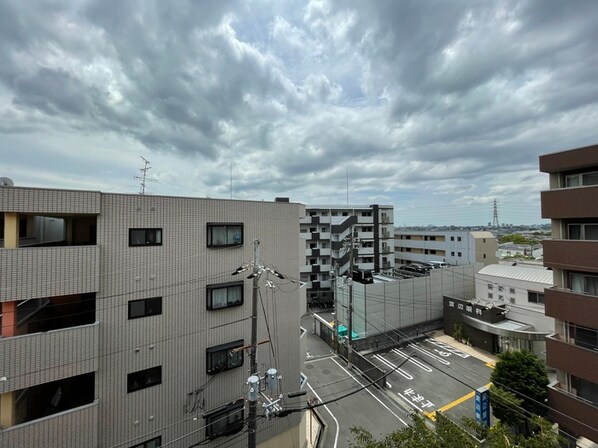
{"x":455,"y":247}
{"x":122,"y":324}
{"x":327,"y":230}
{"x":572,"y":254}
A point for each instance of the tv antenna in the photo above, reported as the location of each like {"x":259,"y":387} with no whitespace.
{"x":143,"y":178}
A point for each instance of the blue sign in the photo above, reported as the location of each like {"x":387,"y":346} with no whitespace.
{"x":482,"y":406}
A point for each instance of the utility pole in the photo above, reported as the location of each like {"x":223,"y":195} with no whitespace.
{"x":252,"y":423}
{"x":350,"y":279}
{"x":336,"y":341}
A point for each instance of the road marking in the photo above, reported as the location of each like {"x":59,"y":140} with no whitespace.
{"x":370,"y":392}
{"x":393,"y":366}
{"x":491,"y":364}
{"x":325,"y":357}
{"x":452,"y":404}
{"x":417,"y":363}
{"x":432,"y":355}
{"x":330,"y":412}
{"x":448,"y":347}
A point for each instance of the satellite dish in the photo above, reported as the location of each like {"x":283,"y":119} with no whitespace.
{"x":6,"y":182}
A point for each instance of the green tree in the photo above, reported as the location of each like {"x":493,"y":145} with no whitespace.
{"x":419,"y":434}
{"x":520,"y":381}
{"x":515,"y":238}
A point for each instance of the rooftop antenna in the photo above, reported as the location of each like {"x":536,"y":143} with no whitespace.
{"x":231,"y":178}
{"x":143,"y":178}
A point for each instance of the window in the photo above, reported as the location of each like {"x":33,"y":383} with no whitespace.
{"x":225,"y":235}
{"x":501,"y":297}
{"x":535,"y":297}
{"x":459,"y":254}
{"x":144,"y":378}
{"x":313,"y":278}
{"x":582,"y":231}
{"x":145,"y":307}
{"x":490,"y":295}
{"x":224,"y":295}
{"x":156,"y":442}
{"x":501,"y":288}
{"x":226,"y":420}
{"x":458,"y":238}
{"x":484,"y":255}
{"x":584,"y":337}
{"x":145,"y":237}
{"x":452,"y":238}
{"x":452,"y":254}
{"x":512,"y":290}
{"x":224,"y":357}
{"x":584,"y":283}
{"x":577,"y":180}
{"x":490,"y":286}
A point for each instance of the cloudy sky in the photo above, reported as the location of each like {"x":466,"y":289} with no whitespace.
{"x":436,"y":107}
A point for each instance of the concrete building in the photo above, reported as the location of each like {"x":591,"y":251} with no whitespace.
{"x":327,"y":229}
{"x":520,"y":292}
{"x":572,"y":254}
{"x":454,"y":247}
{"x":122,"y":324}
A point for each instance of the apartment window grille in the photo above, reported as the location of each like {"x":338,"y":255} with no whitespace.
{"x":584,"y":283}
{"x":224,"y":295}
{"x":226,"y":420}
{"x":222,"y":235}
{"x":144,"y":379}
{"x":582,"y":231}
{"x":156,"y":442}
{"x":145,"y":237}
{"x":535,"y":297}
{"x":145,"y":307}
{"x":224,"y":357}
{"x":580,"y":179}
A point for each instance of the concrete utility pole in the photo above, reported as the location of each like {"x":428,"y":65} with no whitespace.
{"x":350,"y":280}
{"x":336,"y":341}
{"x":252,"y":423}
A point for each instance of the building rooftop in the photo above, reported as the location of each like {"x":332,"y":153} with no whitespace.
{"x":518,"y":273}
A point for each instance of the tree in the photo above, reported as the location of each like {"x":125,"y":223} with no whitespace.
{"x":516,"y":238}
{"x":520,"y":381}
{"x":449,"y":435}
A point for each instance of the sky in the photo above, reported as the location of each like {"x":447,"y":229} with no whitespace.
{"x":436,"y":107}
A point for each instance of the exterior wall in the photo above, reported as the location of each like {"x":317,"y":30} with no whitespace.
{"x":564,"y":205}
{"x":404,"y":303}
{"x":179,"y":271}
{"x":472,"y":246}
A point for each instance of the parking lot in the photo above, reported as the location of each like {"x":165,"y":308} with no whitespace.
{"x":431,"y":375}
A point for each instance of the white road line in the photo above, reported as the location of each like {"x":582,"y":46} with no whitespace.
{"x":370,"y":392}
{"x":393,"y":366}
{"x":448,"y":348}
{"x":330,"y":412}
{"x":417,"y":363}
{"x":314,"y":359}
{"x":432,"y":355}
{"x":409,"y":402}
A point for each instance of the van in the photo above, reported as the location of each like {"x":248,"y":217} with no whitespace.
{"x":438,"y":264}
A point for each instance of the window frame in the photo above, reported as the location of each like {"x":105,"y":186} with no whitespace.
{"x":539,"y":297}
{"x":147,"y":442}
{"x":211,"y":288}
{"x":227,"y":411}
{"x":209,"y":233}
{"x":142,"y":373}
{"x":147,"y":242}
{"x":147,"y":304}
{"x":582,"y":230}
{"x":212,"y":369}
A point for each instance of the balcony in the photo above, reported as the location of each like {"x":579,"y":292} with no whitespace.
{"x":28,"y":273}
{"x":572,"y":359}
{"x":365,"y":235}
{"x":75,"y":427}
{"x":365,"y":220}
{"x":570,"y":306}
{"x":571,"y":255}
{"x":579,"y":202}
{"x":49,"y":356}
{"x":583,"y":414}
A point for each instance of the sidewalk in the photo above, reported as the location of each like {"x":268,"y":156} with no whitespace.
{"x":472,"y":351}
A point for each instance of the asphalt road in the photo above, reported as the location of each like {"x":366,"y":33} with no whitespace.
{"x":433,"y":376}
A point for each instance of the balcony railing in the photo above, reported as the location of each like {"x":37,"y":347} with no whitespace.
{"x":571,"y":255}
{"x":572,"y":412}
{"x":75,"y":427}
{"x":48,"y":271}
{"x":581,"y":202}
{"x":43,"y":357}
{"x":570,"y":306}
{"x":567,"y":357}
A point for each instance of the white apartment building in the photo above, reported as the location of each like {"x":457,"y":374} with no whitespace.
{"x":327,"y":230}
{"x":520,"y":291}
{"x":453,"y":247}
{"x":122,"y":324}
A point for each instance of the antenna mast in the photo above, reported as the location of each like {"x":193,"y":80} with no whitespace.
{"x":142,"y":178}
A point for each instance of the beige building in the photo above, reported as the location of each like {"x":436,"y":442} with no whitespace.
{"x":122,"y":324}
{"x":453,"y":247}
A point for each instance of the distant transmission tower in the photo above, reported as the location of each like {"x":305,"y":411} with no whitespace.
{"x":143,"y":178}
{"x":495,"y":223}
